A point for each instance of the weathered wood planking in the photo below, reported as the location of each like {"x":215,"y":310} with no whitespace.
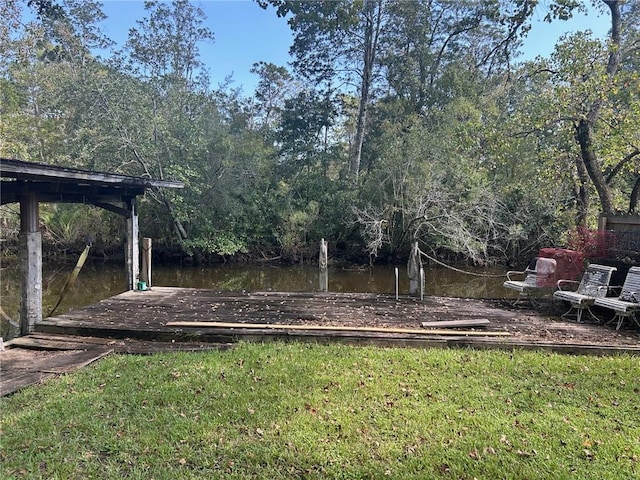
{"x":43,"y":341}
{"x":334,"y":328}
{"x":37,"y":341}
{"x":141,"y":322}
{"x":148,"y":316}
{"x":475,"y":322}
{"x":274,"y":306}
{"x":163,"y":304}
{"x":23,"y":367}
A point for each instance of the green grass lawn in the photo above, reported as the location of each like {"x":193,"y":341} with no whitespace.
{"x":310,"y":411}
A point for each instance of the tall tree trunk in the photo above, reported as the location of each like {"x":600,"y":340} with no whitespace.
{"x":584,"y":128}
{"x":592,"y":165}
{"x":635,"y":196}
{"x":181,"y":233}
{"x":582,"y":194}
{"x":373,"y":18}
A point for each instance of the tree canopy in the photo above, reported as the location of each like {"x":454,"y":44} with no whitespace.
{"x":396,"y":122}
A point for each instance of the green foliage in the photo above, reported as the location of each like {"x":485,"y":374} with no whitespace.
{"x":273,"y":89}
{"x":442,"y":182}
{"x":295,"y":228}
{"x":10,"y":223}
{"x":401,"y":122}
{"x":218,"y":243}
{"x":585,"y":102}
{"x":76,"y":225}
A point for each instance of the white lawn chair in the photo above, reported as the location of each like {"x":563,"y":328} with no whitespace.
{"x":627,"y":304}
{"x":536,"y":283}
{"x":594,"y":284}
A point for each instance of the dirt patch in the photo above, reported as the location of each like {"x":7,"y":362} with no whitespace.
{"x":544,"y":324}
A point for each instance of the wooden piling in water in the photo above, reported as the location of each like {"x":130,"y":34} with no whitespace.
{"x":132,"y":252}
{"x":413,"y":269}
{"x":323,"y":266}
{"x":396,"y":283}
{"x":145,"y":272}
{"x":30,"y":263}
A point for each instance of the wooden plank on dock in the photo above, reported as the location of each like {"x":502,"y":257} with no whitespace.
{"x":338,"y":328}
{"x":52,"y":341}
{"x":38,"y":341}
{"x":24,"y":367}
{"x":471,"y":322}
{"x":145,"y":321}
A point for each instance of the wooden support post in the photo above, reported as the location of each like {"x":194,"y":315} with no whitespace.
{"x":413,"y":269}
{"x":323,"y":265}
{"x":132,"y":253}
{"x":145,"y":272}
{"x":30,"y":264}
{"x":397,"y":286}
{"x":602,"y":222}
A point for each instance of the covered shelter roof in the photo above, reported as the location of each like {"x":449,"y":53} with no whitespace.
{"x":31,"y":183}
{"x":56,"y":184}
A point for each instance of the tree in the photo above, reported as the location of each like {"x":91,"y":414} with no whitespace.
{"x":434,"y":193}
{"x":274,"y":87}
{"x":425,"y":39}
{"x":164,"y":55}
{"x":407,"y":116}
{"x":437,"y":138}
{"x":336,"y":44}
{"x":584,"y":126}
{"x":165,"y":45}
{"x":47,"y":8}
{"x":591,"y":88}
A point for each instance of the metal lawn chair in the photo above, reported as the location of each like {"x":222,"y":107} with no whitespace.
{"x":627,"y":304}
{"x":537,"y":283}
{"x":594,"y":284}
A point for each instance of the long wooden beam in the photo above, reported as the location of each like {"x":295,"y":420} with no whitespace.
{"x":466,"y":323}
{"x":279,"y":326}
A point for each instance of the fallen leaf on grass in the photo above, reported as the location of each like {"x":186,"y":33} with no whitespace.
{"x":525,"y":454}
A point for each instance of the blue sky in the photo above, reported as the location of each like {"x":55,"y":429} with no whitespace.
{"x":245,"y":34}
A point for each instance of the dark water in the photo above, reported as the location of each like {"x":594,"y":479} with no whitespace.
{"x":98,"y":281}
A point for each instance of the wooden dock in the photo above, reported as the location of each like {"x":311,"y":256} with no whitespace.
{"x":153,"y":316}
{"x":188,"y":319}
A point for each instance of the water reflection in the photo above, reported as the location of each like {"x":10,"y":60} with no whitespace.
{"x":98,"y":281}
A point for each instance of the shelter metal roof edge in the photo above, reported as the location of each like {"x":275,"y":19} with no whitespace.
{"x":19,"y":169}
